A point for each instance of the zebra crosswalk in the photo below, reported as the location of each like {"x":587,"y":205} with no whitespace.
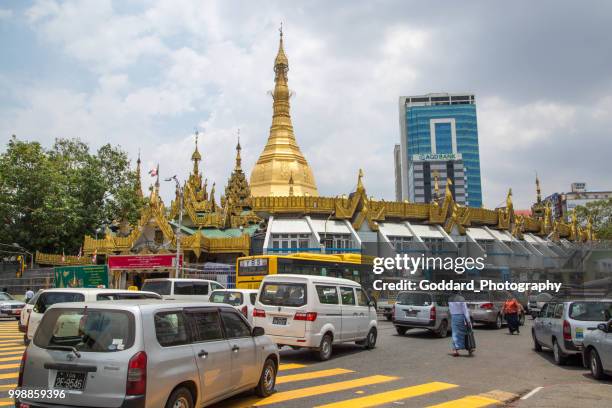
{"x":295,"y":385}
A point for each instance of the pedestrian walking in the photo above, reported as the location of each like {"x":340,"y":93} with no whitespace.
{"x":461,"y":325}
{"x":511,"y":311}
{"x":28,"y":295}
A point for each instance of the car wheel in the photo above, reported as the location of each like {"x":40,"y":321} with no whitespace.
{"x":595,"y":365}
{"x":536,"y":344}
{"x":557,"y":353}
{"x":325,"y":349}
{"x":267,"y":381}
{"x":498,"y":322}
{"x":443,"y":329}
{"x":180,"y":398}
{"x":400,"y":330}
{"x":371,"y":339}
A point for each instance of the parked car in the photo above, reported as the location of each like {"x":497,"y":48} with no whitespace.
{"x":146,"y":354}
{"x":422,"y":310}
{"x":597,"y":353}
{"x":561,"y":325}
{"x":315,"y":312}
{"x":25,"y":312}
{"x":50,"y":297}
{"x":178,"y":288}
{"x":487,"y":306}
{"x":9,"y":306}
{"x":242,"y":299}
{"x":385,"y":308}
{"x":536,"y":302}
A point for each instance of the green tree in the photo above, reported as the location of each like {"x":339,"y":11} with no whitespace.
{"x":49,"y":199}
{"x":600,"y":212}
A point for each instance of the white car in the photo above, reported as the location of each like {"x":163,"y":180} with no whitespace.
{"x":45,"y":298}
{"x":597,"y":354}
{"x":25,"y":314}
{"x":180,"y":288}
{"x":315,"y":312}
{"x":242,"y":299}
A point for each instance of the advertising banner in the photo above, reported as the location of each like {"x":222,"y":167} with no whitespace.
{"x":143,"y":261}
{"x":87,"y":276}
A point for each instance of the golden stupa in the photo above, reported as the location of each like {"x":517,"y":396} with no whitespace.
{"x":281,"y":159}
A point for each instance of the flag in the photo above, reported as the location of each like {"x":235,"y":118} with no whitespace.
{"x":80,"y":252}
{"x":153,"y":173}
{"x":94,"y":256}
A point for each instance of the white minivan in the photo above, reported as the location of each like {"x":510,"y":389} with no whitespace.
{"x":315,"y":312}
{"x":181,"y":288}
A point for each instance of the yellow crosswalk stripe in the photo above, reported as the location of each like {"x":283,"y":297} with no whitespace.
{"x":8,"y":386}
{"x":471,"y":401}
{"x":14,"y":358}
{"x":12,"y":353}
{"x":323,"y":389}
{"x":390,"y":396}
{"x":12,"y":348}
{"x":284,"y":367}
{"x":7,"y":403}
{"x":311,"y":375}
{"x":9,"y":375}
{"x":7,"y":366}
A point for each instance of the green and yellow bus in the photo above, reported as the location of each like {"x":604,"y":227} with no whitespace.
{"x":250,"y":270}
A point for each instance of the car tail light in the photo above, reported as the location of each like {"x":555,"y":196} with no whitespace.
{"x":245,"y":310}
{"x":137,"y":374}
{"x":24,"y":357}
{"x":432,"y":313}
{"x":567,"y":330}
{"x":487,"y":306}
{"x":259,"y":313}
{"x":308,"y":316}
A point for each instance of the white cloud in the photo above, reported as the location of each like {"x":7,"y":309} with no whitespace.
{"x":5,"y":14}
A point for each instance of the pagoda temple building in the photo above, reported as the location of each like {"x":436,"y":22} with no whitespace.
{"x":280,"y":211}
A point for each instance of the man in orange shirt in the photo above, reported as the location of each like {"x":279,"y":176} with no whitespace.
{"x":511,"y":311}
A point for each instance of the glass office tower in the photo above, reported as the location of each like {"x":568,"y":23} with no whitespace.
{"x":441,"y":124}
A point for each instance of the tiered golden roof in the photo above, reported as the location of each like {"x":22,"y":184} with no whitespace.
{"x":281,"y":158}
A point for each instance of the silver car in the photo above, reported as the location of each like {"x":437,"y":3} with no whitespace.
{"x":146,"y":353}
{"x":9,"y":306}
{"x":422,"y":310}
{"x":597,"y":354}
{"x":562,"y":325}
{"x":487,"y":307}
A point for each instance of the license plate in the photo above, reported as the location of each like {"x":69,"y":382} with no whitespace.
{"x":279,"y":320}
{"x":70,"y":380}
{"x":411,"y":312}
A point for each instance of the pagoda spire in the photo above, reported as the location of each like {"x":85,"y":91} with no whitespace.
{"x":138,"y":184}
{"x":238,"y":158}
{"x":196,"y":157}
{"x":538,"y":191}
{"x":281,"y":155}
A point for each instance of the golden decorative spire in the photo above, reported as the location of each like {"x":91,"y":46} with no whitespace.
{"x":237,"y":190}
{"x":196,"y":156}
{"x":291,"y":185}
{"x":138,"y":186}
{"x":281,"y":155}
{"x":436,"y":186}
{"x":238,"y":149}
{"x":360,"y":180}
{"x":538,"y":191}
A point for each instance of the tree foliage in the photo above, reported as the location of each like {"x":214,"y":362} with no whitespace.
{"x":51,"y":198}
{"x":600,"y":212}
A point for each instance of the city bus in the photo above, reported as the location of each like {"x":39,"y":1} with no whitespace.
{"x":250,"y":270}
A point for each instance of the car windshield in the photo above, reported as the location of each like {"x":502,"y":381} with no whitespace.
{"x":414,"y":299}
{"x":127,"y":296}
{"x":591,"y":311}
{"x":93,"y":330}
{"x":160,"y":287}
{"x":283,"y":294}
{"x":6,"y":296}
{"x":231,"y":298}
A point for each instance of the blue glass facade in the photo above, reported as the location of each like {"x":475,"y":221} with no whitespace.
{"x":420,"y":120}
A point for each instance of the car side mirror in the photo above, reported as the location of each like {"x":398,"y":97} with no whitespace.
{"x":603,"y":327}
{"x":258,"y":331}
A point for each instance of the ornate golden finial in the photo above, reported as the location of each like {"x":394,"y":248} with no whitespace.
{"x":213,"y":205}
{"x":509,"y":199}
{"x":196,"y":156}
{"x":360,"y":180}
{"x":436,"y":186}
{"x":448,"y":191}
{"x":538,"y":191}
{"x":138,"y":185}
{"x":291,"y":185}
{"x":238,"y":149}
{"x":157,"y":180}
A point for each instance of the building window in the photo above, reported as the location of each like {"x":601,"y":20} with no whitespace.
{"x":337,"y":242}
{"x":401,"y":244}
{"x":287,"y":243}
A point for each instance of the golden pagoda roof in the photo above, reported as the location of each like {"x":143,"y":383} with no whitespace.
{"x":281,"y":156}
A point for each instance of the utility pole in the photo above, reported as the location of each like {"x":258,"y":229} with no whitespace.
{"x":178,"y":230}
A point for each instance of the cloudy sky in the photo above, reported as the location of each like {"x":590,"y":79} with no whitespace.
{"x":144,"y":74}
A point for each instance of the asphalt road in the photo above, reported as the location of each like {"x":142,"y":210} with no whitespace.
{"x":415,"y":370}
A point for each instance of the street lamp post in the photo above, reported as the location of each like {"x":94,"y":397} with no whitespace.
{"x":180,"y":222}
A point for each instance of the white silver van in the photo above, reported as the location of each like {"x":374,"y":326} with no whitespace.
{"x":315,"y":312}
{"x":180,"y":288}
{"x":144,"y":354}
